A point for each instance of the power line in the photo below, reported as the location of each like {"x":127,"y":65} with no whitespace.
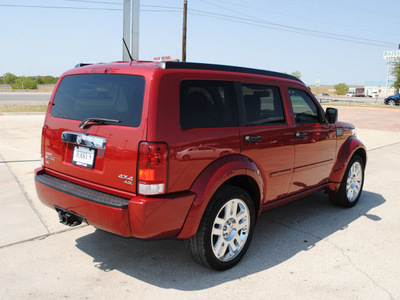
{"x":59,"y":7}
{"x":297,"y":16}
{"x":170,"y":9}
{"x":294,"y":29}
{"x":120,"y":4}
{"x":97,"y":2}
{"x":253,"y":21}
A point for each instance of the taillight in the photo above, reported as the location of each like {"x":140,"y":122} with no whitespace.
{"x":42,"y":150}
{"x":152,"y":168}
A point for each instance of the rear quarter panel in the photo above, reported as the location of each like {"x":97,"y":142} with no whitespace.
{"x":212,"y":178}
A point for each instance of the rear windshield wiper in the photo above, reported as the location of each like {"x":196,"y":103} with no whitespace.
{"x":97,"y":120}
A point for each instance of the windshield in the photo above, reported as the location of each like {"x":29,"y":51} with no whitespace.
{"x":107,"y":96}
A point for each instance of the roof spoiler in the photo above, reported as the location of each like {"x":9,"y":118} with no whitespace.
{"x":82,"y":65}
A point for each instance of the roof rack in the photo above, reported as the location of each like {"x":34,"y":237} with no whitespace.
{"x":213,"y":67}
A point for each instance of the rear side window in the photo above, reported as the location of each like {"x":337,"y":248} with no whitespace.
{"x":263,"y":104}
{"x":206,"y":103}
{"x":109,"y":96}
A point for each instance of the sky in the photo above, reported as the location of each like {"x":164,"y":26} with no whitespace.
{"x":330,"y":41}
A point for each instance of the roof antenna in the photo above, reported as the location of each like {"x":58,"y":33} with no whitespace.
{"x":127,"y":49}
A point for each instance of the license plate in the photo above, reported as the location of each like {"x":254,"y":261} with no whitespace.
{"x":83,"y":156}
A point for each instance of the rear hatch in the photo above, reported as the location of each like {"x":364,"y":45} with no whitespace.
{"x":94,"y":128}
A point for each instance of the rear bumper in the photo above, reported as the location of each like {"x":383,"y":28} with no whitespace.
{"x":141,"y":217}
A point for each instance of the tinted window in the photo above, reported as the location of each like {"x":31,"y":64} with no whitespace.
{"x":263,"y":104}
{"x":207,"y":104}
{"x":109,"y":96}
{"x":304,"y":108}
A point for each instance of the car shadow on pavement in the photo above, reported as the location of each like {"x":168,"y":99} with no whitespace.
{"x":279,"y":235}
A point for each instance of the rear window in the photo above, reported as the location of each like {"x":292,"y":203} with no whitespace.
{"x":109,"y":96}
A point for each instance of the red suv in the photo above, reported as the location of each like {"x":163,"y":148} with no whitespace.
{"x":190,"y":151}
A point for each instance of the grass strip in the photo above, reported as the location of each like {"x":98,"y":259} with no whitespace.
{"x":4,"y":108}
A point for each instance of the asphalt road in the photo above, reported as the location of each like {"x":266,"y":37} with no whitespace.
{"x":25,"y":98}
{"x":308,"y":249}
{"x":344,"y":99}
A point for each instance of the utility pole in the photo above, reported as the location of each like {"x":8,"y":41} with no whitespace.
{"x":184,"y":30}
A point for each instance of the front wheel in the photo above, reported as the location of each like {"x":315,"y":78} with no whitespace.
{"x":352,"y":184}
{"x":225,"y":231}
{"x":391,"y":102}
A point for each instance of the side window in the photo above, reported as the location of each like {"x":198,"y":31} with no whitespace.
{"x":207,"y":103}
{"x":304,"y":108}
{"x":263,"y":104}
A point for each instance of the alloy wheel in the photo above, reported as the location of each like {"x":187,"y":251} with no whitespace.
{"x":230,"y":230}
{"x":354,"y":181}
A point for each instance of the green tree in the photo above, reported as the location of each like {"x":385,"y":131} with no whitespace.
{"x":9,"y":78}
{"x":47,"y":80}
{"x":396,"y":74}
{"x":26,"y":83}
{"x":296,"y":74}
{"x":341,"y":88}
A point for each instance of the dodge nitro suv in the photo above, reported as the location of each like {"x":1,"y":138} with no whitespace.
{"x":190,"y":151}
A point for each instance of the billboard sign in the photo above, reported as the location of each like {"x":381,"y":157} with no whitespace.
{"x":391,"y":54}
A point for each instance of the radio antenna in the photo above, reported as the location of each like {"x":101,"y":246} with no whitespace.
{"x":127,"y":49}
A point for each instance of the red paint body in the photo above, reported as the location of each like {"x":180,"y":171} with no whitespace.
{"x":276,"y":170}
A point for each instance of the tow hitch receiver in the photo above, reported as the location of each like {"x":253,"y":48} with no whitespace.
{"x":68,"y":217}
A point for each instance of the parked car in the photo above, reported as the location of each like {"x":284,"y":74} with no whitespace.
{"x":393,"y":100}
{"x":350,"y":94}
{"x":115,"y":137}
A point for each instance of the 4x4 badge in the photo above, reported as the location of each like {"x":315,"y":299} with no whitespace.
{"x":125,"y":177}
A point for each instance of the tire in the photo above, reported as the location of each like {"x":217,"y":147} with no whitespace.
{"x":225,"y":231}
{"x":392,"y":102}
{"x":352,"y":184}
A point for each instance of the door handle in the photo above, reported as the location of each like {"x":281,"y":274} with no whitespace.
{"x":252,"y":139}
{"x":301,"y":135}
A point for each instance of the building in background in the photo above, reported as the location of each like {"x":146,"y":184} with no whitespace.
{"x":371,"y":89}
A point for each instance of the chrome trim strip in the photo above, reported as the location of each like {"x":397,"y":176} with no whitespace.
{"x":84,"y":140}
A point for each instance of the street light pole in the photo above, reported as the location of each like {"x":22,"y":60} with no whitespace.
{"x":387,"y":77}
{"x":131,"y":30}
{"x":135,"y":29}
{"x":126,"y":29}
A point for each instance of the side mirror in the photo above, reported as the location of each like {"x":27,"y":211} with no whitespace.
{"x":331,"y":115}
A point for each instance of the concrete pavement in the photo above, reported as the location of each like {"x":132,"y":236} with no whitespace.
{"x":307,"y":249}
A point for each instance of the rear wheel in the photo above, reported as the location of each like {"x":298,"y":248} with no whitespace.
{"x":225,"y":231}
{"x":352,"y":184}
{"x":391,"y":102}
